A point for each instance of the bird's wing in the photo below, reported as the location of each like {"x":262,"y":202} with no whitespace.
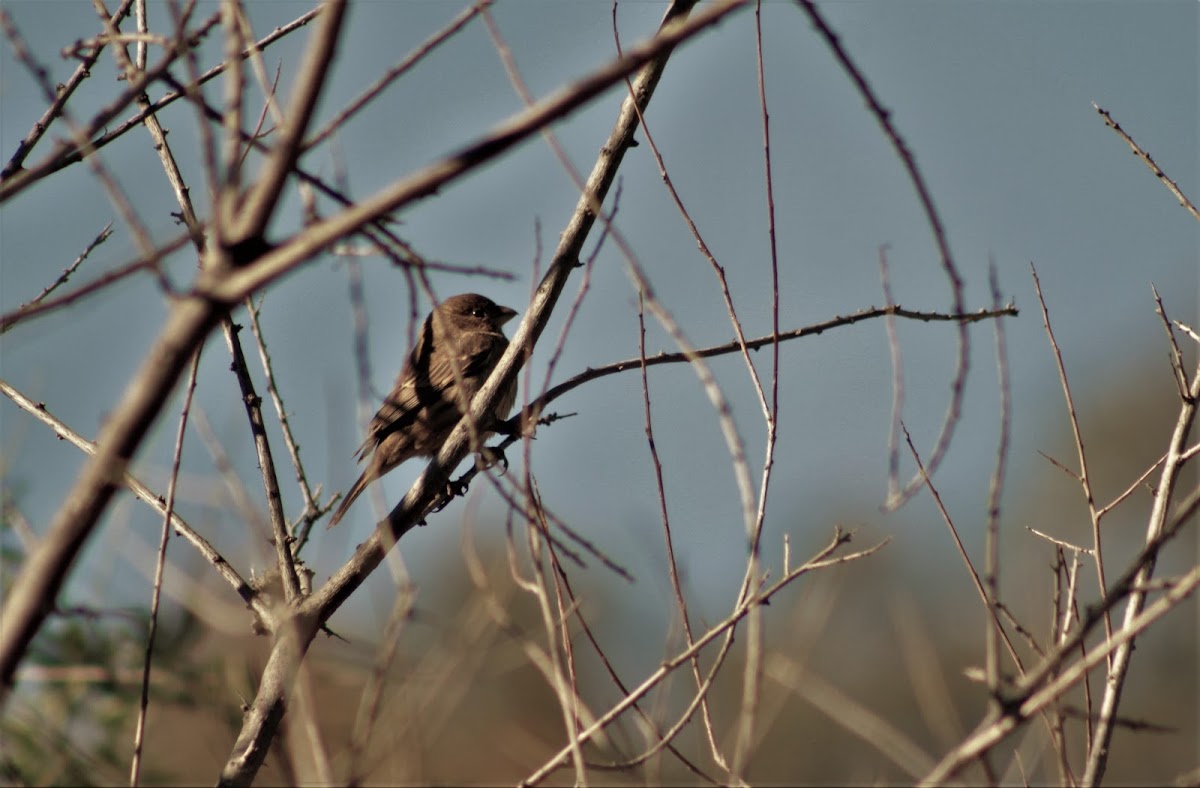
{"x":400,"y":407}
{"x":426,"y":394}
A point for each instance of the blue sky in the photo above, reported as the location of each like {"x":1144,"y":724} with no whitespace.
{"x":994,"y":99}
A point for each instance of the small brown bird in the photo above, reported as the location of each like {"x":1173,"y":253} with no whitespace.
{"x":430,"y":394}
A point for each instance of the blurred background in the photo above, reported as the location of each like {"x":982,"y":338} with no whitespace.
{"x":995,"y":102}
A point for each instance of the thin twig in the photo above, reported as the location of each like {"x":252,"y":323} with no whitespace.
{"x":141,"y":263}
{"x":1063,"y":544}
{"x":669,"y":542}
{"x":824,"y":558}
{"x":289,"y":440}
{"x":159,"y":565}
{"x":991,"y":570}
{"x":1148,"y":161}
{"x":662,"y":739}
{"x":538,"y":405}
{"x":65,"y":275}
{"x":1176,"y":356}
{"x":116,"y":195}
{"x":988,"y":603}
{"x":1132,"y":488}
{"x":395,"y":72}
{"x":565,"y":688}
{"x":259,"y":203}
{"x":1156,"y":527}
{"x":1084,"y":480}
{"x":156,"y":502}
{"x":992,"y":732}
{"x":264,"y":713}
{"x":63,"y":94}
{"x":67,"y":153}
{"x":1044,"y":684}
{"x":897,"y":358}
{"x":236,"y":284}
{"x":281,"y":536}
{"x":250,"y":398}
{"x":719,"y":271}
{"x":933,"y":218}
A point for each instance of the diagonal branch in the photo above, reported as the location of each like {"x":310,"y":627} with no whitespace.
{"x":1043,"y":684}
{"x":259,"y":205}
{"x":1148,"y":160}
{"x":154,"y":500}
{"x":1119,"y":667}
{"x":82,"y":72}
{"x":263,"y":716}
{"x":217,"y":289}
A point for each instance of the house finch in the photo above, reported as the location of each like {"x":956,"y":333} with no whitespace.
{"x":459,"y":345}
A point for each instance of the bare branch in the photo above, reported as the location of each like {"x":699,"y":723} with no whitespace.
{"x":824,"y":558}
{"x":1084,"y":482}
{"x":1148,"y":161}
{"x":148,"y":496}
{"x":267,"y":709}
{"x":1157,"y":527}
{"x":883,"y":116}
{"x":82,"y":72}
{"x":169,"y":504}
{"x":63,"y":277}
{"x":538,"y":405}
{"x":66,"y":153}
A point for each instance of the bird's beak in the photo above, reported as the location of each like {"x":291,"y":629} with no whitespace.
{"x":506,"y":314}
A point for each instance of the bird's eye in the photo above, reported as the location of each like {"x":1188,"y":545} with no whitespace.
{"x":477,"y":312}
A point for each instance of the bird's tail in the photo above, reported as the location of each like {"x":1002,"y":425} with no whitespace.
{"x":351,"y":495}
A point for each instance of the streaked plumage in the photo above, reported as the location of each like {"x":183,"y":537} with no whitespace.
{"x":427,"y":401}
